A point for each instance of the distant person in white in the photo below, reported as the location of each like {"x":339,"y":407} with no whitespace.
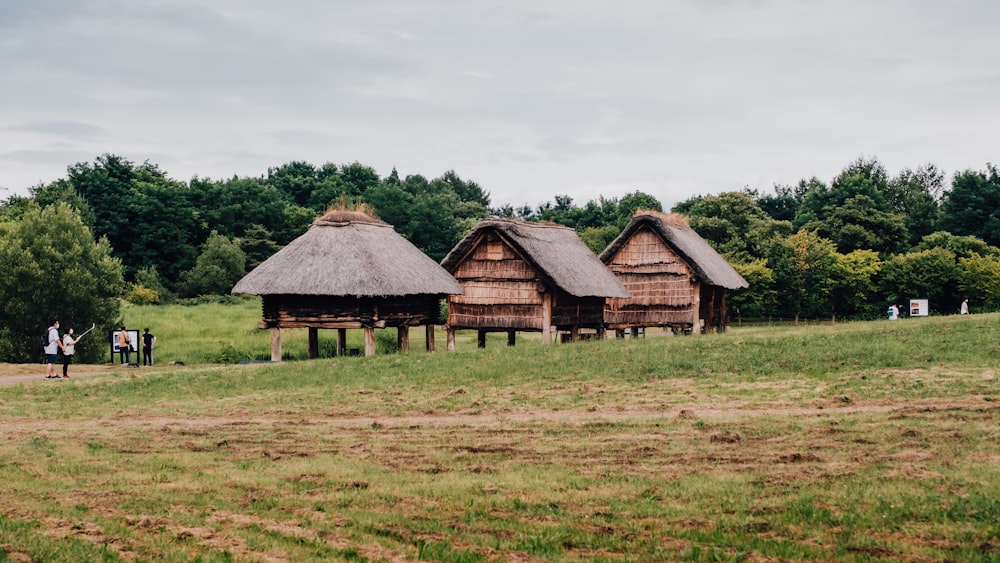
{"x":893,"y":312}
{"x":965,"y":307}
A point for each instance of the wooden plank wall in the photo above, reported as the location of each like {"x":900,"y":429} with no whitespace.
{"x":502,"y":291}
{"x":298,"y":311}
{"x":660,"y":282}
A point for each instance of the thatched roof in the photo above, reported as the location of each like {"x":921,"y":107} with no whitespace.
{"x":710,"y":267}
{"x":348,"y":253}
{"x":553,"y":250}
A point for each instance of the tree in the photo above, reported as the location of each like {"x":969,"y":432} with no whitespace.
{"x":915,"y":195}
{"x":972,"y":206}
{"x":859,"y":224}
{"x":598,"y":238}
{"x":258,"y":245}
{"x":148,"y":218}
{"x":760,"y":299}
{"x":853,"y":283}
{"x":979,"y":279}
{"x":51,"y":268}
{"x":961,"y":246}
{"x":734,"y":224}
{"x":803,"y":266}
{"x":928,"y":274}
{"x":219,"y":266}
{"x":632,"y":202}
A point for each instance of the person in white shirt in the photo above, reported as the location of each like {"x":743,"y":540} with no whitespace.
{"x":69,"y":348}
{"x":52,"y":347}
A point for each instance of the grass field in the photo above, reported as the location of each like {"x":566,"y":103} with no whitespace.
{"x":847,"y":442}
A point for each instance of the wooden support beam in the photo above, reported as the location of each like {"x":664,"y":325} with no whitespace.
{"x":313,"y":343}
{"x":341,"y":341}
{"x":369,"y":341}
{"x":429,"y":337}
{"x":450,"y":339}
{"x":403,"y":338}
{"x":275,"y":344}
{"x":481,"y":338}
{"x":511,"y":337}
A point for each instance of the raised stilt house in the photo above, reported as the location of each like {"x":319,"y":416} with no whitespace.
{"x":349,"y":271}
{"x":675,"y":278}
{"x":520,"y":276}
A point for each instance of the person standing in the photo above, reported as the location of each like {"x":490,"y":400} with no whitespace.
{"x":124,"y":353}
{"x":148,"y":341}
{"x":52,"y":346}
{"x":893,"y":312}
{"x":69,"y":348}
{"x":965,"y":307}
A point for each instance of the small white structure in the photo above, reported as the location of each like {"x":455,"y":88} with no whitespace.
{"x":919,"y":308}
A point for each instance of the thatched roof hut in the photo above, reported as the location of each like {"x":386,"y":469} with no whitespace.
{"x":675,"y":278}
{"x":528,"y":277}
{"x":349,"y":270}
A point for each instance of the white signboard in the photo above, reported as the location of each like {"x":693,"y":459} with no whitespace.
{"x":919,"y":308}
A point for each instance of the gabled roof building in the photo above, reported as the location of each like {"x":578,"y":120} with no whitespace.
{"x":675,"y":278}
{"x":520,"y":276}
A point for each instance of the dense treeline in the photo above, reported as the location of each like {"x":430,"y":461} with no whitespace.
{"x":809,"y":250}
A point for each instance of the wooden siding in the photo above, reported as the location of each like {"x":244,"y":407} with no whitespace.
{"x":298,"y":311}
{"x":577,"y":312}
{"x":502,"y":291}
{"x":660,"y":282}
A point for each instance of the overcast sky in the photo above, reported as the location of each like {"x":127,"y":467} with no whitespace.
{"x":529,"y":98}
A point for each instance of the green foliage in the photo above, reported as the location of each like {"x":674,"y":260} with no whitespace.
{"x":858,"y":223}
{"x":220,"y":265}
{"x":961,"y":246}
{"x":149,"y":278}
{"x":154,"y":222}
{"x":760,"y":299}
{"x":914,"y":194}
{"x":598,"y":238}
{"x":972,"y":205}
{"x":51,"y":268}
{"x":138,"y":294}
{"x":804,"y":264}
{"x":928,"y":274}
{"x":734,"y":224}
{"x":853,"y":287}
{"x":979,"y":279}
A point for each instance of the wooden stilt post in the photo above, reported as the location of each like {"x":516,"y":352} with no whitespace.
{"x":574,"y":334}
{"x":450,"y":339}
{"x":403,"y":338}
{"x":275,"y":344}
{"x":511,"y":337}
{"x":341,"y":341}
{"x":481,"y":338}
{"x":369,"y":341}
{"x":547,"y":317}
{"x":429,"y":340}
{"x":602,"y":333}
{"x":696,"y":313}
{"x":313,"y":343}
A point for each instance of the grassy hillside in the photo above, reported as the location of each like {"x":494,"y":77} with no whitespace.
{"x":854,"y":441}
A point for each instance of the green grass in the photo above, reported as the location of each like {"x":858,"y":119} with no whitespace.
{"x":854,"y":441}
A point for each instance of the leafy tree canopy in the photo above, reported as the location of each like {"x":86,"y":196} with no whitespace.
{"x":51,"y":268}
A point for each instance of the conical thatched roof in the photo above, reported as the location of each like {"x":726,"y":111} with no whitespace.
{"x":555,"y":251}
{"x":348,"y":253}
{"x":676,"y":233}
